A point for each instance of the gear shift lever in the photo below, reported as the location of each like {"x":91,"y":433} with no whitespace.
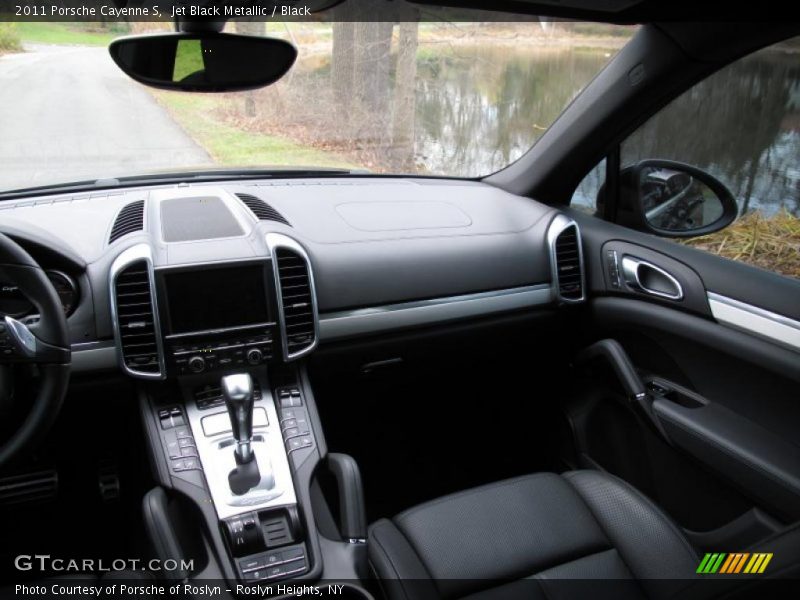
{"x":238,"y":393}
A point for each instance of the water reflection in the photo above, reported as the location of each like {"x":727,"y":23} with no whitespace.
{"x":480,"y":108}
{"x":742,"y":125}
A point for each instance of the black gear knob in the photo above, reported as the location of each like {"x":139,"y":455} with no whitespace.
{"x":237,"y":390}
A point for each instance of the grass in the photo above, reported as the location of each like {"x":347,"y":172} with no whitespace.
{"x":772,"y":243}
{"x":231,"y":146}
{"x":62,"y":33}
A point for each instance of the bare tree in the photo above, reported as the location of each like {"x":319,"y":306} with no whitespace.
{"x":360,"y":81}
{"x":343,"y":63}
{"x":404,"y":113}
{"x":373,"y":42}
{"x":343,"y":59}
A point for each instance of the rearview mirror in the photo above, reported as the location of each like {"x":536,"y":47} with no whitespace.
{"x":672,"y":199}
{"x":203,"y":62}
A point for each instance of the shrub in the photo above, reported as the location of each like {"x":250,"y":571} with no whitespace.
{"x":9,"y":39}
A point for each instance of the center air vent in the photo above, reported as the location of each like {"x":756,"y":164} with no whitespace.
{"x":262,"y":210}
{"x":136,"y":322}
{"x":298,"y":305}
{"x":129,"y":219}
{"x":565,"y":247}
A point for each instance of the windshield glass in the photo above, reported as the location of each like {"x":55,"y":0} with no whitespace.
{"x":454,"y":99}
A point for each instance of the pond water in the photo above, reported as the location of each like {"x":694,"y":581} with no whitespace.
{"x":742,"y":125}
{"x":480,"y":108}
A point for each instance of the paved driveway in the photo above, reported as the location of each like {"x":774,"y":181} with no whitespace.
{"x":67,"y":113}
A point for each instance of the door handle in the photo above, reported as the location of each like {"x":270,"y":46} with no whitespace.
{"x":650,"y":279}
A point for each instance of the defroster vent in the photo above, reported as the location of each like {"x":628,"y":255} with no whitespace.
{"x":298,"y":304}
{"x":262,"y":210}
{"x":129,"y":219}
{"x":136,"y":320}
{"x":568,"y":260}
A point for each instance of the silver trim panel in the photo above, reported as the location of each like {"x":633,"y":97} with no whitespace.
{"x":337,"y":325}
{"x":275,"y":241}
{"x":757,"y":321}
{"x":556,"y":228}
{"x":139,"y":252}
{"x":216,"y":455}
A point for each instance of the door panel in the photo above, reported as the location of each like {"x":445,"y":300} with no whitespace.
{"x":763,"y":463}
{"x":736,"y":280}
{"x":739,"y":418}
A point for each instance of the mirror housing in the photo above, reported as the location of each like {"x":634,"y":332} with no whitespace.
{"x":203,"y":61}
{"x":673,"y":199}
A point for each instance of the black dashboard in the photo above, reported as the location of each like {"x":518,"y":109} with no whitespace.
{"x":152,"y":278}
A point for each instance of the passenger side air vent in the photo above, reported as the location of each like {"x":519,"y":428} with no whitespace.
{"x":262,"y":210}
{"x":136,"y":320}
{"x":567,"y":259}
{"x":298,"y":305}
{"x":129,"y":219}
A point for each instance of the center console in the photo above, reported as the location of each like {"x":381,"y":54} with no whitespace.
{"x":235,"y":437}
{"x":259,"y":511}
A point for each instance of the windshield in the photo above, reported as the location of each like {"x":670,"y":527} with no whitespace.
{"x":452,"y":99}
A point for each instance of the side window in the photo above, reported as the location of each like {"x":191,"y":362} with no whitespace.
{"x":742,"y":126}
{"x":585,"y":196}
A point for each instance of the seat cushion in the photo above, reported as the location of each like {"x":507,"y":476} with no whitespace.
{"x":580,"y":525}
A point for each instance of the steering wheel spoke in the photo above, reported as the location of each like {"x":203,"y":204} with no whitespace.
{"x":19,"y":344}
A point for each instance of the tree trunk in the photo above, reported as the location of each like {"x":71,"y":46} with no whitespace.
{"x":343,"y":66}
{"x":403,"y":119}
{"x":373,"y":44}
{"x":250,"y":28}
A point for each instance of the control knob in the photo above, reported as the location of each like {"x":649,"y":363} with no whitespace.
{"x":255,"y":356}
{"x":197,"y":364}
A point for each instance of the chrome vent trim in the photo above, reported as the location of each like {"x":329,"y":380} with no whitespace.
{"x":261,"y":210}
{"x":282,"y":248}
{"x":123,"y":273}
{"x":566,"y":254}
{"x":129,"y":220}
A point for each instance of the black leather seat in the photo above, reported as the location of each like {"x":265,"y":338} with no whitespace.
{"x":583,"y":534}
{"x":492,"y":540}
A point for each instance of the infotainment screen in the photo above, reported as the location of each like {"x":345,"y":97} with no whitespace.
{"x":216,"y":298}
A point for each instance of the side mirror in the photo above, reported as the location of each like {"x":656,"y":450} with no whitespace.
{"x":672,"y":199}
{"x":203,"y":62}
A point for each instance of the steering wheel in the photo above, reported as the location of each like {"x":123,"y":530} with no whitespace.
{"x":44,"y":344}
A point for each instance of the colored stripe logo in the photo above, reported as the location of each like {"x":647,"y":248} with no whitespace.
{"x":734,"y":563}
